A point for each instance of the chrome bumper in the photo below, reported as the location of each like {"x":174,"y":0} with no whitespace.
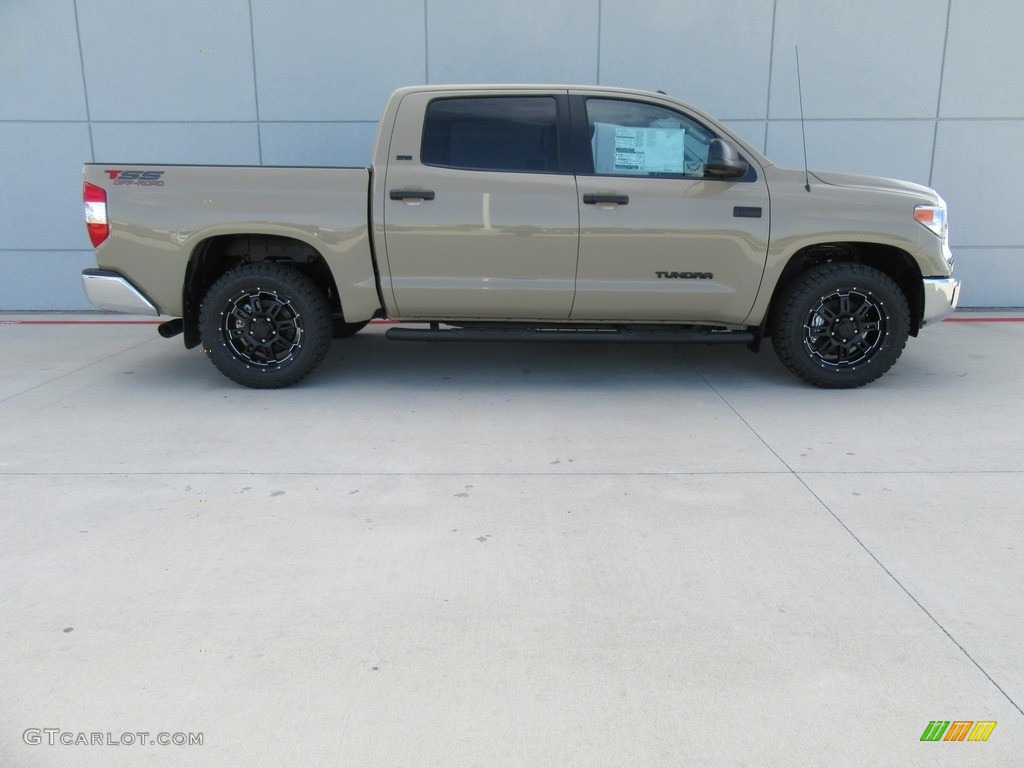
{"x":110,"y":291}
{"x":941,"y":295}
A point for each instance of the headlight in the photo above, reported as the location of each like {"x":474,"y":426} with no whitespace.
{"x":933,"y":217}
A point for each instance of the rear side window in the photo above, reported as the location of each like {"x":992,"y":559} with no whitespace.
{"x":499,"y":133}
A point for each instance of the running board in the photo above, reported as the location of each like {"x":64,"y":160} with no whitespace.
{"x":645,"y":335}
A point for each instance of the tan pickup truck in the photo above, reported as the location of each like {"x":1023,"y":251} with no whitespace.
{"x":525,"y":213}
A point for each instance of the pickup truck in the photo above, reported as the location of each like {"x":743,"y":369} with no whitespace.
{"x":525,"y":213}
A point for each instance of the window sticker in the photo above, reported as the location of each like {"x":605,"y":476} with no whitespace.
{"x":641,"y":151}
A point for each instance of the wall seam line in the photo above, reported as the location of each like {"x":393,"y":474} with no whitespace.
{"x":426,"y":42}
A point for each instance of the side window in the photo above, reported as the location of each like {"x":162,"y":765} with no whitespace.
{"x":492,"y":133}
{"x":630,"y":138}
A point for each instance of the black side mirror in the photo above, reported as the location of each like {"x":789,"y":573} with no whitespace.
{"x":724,"y":160}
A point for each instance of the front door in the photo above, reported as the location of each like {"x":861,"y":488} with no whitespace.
{"x":659,"y":239}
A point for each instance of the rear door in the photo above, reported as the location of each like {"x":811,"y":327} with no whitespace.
{"x":659,"y":239}
{"x":480,"y":212}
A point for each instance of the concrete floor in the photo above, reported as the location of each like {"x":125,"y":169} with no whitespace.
{"x":508,"y":555}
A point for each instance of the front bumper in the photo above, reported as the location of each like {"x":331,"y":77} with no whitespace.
{"x":941,"y":295}
{"x":112,"y":292}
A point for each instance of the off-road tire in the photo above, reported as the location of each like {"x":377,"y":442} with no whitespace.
{"x":841,"y":325}
{"x":265,"y":325}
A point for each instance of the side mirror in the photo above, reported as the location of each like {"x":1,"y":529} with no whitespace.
{"x":724,"y":160}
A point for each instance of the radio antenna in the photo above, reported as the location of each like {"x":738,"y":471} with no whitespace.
{"x":803,"y":133}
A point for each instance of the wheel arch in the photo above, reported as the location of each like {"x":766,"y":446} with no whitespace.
{"x":891,"y":261}
{"x":215,"y":255}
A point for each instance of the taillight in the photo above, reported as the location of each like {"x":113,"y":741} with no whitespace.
{"x":95,"y":213}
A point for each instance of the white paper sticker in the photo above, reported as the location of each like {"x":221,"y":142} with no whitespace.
{"x":621,"y":149}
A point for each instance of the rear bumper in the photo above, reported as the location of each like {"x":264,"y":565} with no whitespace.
{"x":941,"y":295}
{"x":112,"y":292}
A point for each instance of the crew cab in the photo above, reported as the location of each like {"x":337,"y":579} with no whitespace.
{"x":527,"y":213}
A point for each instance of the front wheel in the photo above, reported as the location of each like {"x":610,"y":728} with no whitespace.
{"x":841,"y":325}
{"x":265,"y":325}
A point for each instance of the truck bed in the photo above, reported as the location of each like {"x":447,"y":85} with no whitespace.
{"x":160,"y":215}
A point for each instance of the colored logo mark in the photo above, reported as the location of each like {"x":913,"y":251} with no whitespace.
{"x":958,"y":730}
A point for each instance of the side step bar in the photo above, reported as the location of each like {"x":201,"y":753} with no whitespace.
{"x":645,"y":335}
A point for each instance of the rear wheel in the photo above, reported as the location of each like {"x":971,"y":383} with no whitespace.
{"x":841,"y":325}
{"x":265,"y":325}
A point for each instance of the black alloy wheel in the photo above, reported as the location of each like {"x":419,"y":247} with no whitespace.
{"x":265,"y":325}
{"x":841,"y":325}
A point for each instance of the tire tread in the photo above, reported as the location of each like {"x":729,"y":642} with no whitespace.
{"x":317,"y":325}
{"x":787,"y":336}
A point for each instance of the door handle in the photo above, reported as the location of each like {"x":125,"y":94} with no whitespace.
{"x":592,"y":199}
{"x":412,"y":194}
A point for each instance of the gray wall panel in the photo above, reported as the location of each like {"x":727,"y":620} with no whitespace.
{"x":335,"y":61}
{"x":40,"y":67}
{"x":41,"y":280}
{"x":717,"y":62}
{"x":991,"y":276}
{"x":751,"y":131}
{"x":337,"y":144}
{"x":983,"y":60}
{"x":182,"y":60}
{"x":41,"y":173}
{"x":187,"y":143}
{"x":898,"y":149}
{"x":529,"y":41}
{"x":979,"y":167}
{"x":871,"y":58}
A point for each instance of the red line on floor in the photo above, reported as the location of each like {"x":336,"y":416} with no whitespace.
{"x":984,"y":320}
{"x":80,"y":322}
